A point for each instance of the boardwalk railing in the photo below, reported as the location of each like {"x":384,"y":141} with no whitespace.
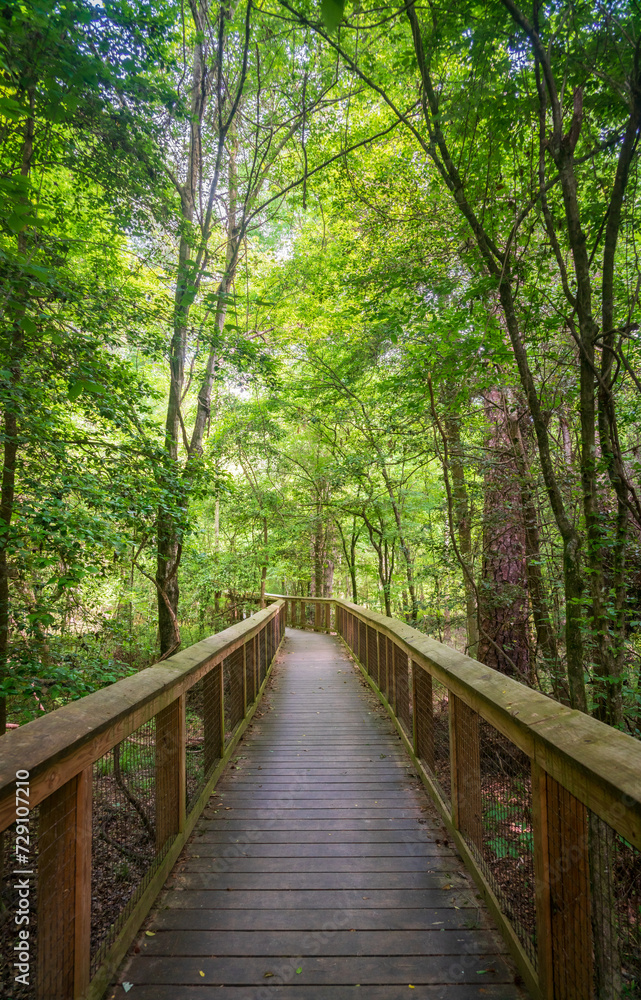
{"x":98,"y":798}
{"x":543,"y":802}
{"x":309,"y":613}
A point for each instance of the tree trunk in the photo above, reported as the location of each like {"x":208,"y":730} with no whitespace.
{"x":545,"y":632}
{"x":452,"y":424}
{"x":503,"y":640}
{"x":263,"y":571}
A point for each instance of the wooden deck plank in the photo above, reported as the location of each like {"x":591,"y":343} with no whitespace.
{"x":212,"y":863}
{"x":334,"y":970}
{"x":329,"y":921}
{"x":303,"y":992}
{"x":346,"y":943}
{"x":319,"y":851}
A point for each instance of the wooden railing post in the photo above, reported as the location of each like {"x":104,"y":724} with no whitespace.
{"x":170,"y":771}
{"x":564,"y":924}
{"x":542,"y":881}
{"x":317,"y":616}
{"x":328,"y":616}
{"x":64,"y":891}
{"x":465,"y":763}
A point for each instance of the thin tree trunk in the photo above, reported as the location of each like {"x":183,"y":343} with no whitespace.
{"x":263,"y":571}
{"x":452,"y":424}
{"x":545,"y":633}
{"x":503,"y":589}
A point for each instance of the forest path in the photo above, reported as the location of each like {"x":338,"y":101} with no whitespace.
{"x":318,"y":870}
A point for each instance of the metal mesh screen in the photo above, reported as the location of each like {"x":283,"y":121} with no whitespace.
{"x":391,"y":674}
{"x":372,"y":654}
{"x":16,"y":856}
{"x":441,"y":717}
{"x":250,"y":671}
{"x":382,"y":663}
{"x":262,"y":655}
{"x":401,"y":681}
{"x":125,"y":812}
{"x":202,"y":732}
{"x":233,"y":681}
{"x":615,"y":883}
{"x":269,"y":640}
{"x":424,"y":717}
{"x":506,"y":847}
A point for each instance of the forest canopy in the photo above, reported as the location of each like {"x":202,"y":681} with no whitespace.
{"x":320,"y":298}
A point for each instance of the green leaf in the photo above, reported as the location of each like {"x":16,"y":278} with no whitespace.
{"x":332,"y":12}
{"x":83,"y":385}
{"x":16,"y":223}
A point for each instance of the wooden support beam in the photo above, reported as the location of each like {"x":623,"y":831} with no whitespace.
{"x":568,"y":892}
{"x":542,"y":881}
{"x":84,"y":836}
{"x":170,"y":771}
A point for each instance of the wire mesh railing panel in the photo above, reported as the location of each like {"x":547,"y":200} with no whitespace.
{"x":391,"y":674}
{"x":362,"y":642}
{"x":124,"y":854}
{"x":372,"y":654}
{"x":382,"y":663}
{"x":615,"y":890}
{"x":269,"y":641}
{"x":250,"y":671}
{"x":402,"y":689}
{"x":424,"y":717}
{"x":19,"y":872}
{"x":233,"y":687}
{"x":310,"y":614}
{"x":506,"y":846}
{"x":441,"y":724}
{"x":203,"y":732}
{"x":262,"y":655}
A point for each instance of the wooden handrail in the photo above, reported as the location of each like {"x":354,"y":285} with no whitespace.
{"x":600,"y":765}
{"x":582,"y":774}
{"x":55,"y":755}
{"x":59,"y":745}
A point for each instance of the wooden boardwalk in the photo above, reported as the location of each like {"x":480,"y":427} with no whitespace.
{"x":319,"y":870}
